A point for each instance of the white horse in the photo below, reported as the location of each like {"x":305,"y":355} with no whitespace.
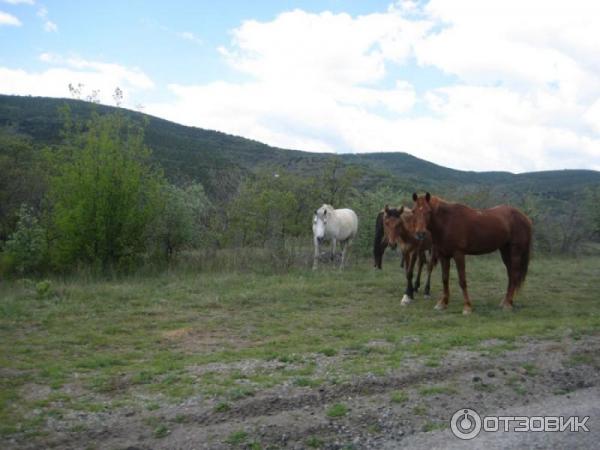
{"x":336,"y":225}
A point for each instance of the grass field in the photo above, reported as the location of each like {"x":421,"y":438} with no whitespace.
{"x":146,"y":342}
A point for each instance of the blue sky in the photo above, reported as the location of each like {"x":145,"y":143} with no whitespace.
{"x":147,"y":34}
{"x":468,"y":84}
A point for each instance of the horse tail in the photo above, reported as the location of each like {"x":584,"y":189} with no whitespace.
{"x":525,"y":249}
{"x":379,"y":243}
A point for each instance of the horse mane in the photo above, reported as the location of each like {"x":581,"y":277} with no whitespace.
{"x":436,"y":201}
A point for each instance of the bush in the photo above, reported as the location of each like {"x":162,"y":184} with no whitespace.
{"x":26,"y":248}
{"x":104,"y":193}
{"x":43,"y":288}
{"x":181,"y":222}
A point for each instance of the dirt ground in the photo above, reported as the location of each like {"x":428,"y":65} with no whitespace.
{"x":369,"y":412}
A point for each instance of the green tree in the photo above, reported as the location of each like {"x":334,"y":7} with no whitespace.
{"x":21,"y":179}
{"x":182,"y":221}
{"x":337,"y":182}
{"x":104,"y":193}
{"x":272,"y":207}
{"x":592,"y":206}
{"x":367,"y":205}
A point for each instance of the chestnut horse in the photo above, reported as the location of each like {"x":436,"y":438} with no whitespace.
{"x":399,"y":229}
{"x":458,"y":230}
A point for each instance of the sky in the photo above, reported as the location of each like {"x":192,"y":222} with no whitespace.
{"x":469,"y":84}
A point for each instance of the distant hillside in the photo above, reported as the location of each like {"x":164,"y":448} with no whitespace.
{"x":219,"y":160}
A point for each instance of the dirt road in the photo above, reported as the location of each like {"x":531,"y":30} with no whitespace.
{"x":582,"y":403}
{"x":409,"y":407}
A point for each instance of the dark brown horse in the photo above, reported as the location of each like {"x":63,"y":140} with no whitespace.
{"x":381,"y":242}
{"x":399,"y":227}
{"x":458,"y":230}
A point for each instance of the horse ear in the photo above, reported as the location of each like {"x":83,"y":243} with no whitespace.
{"x":386,"y":208}
{"x":401,"y":209}
{"x":324,"y":212}
{"x":415,"y":196}
{"x":427,"y":197}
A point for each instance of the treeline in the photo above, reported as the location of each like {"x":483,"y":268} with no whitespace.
{"x":97,"y":201}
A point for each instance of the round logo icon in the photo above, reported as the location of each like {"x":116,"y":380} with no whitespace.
{"x":465,"y":424}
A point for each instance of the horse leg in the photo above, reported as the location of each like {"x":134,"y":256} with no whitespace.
{"x":427,"y":291}
{"x":515,"y":265}
{"x":333,"y":245}
{"x":506,"y":259}
{"x":445,"y":263}
{"x":419,"y":270}
{"x":459,"y":258}
{"x":405,"y":261}
{"x":345,"y":244}
{"x":316,"y":257}
{"x":409,"y":292}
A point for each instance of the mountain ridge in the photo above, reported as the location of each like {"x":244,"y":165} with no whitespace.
{"x":217,"y":158}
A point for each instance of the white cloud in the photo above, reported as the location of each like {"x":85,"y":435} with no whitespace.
{"x":93,"y":75}
{"x":326,"y":47}
{"x":527,"y":94}
{"x":19,"y":2}
{"x":319,"y":71}
{"x":50,"y":26}
{"x":524,"y":91}
{"x":189,"y":36}
{"x":9,"y":19}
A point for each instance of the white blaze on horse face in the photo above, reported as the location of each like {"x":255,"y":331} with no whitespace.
{"x":318,"y":227}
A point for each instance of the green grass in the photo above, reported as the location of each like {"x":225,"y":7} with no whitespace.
{"x":337,"y":410}
{"x":579,"y":359}
{"x":314,"y":442}
{"x":399,"y":397}
{"x":433,"y":426}
{"x":530,"y":369}
{"x":237,"y":437}
{"x":142,"y":338}
{"x":436,"y":390}
{"x":516,"y":384}
{"x":222,"y":407}
{"x":161,"y":431}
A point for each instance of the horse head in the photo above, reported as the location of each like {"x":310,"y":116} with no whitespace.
{"x":422,"y":212}
{"x":393,"y":224}
{"x":320,"y":220}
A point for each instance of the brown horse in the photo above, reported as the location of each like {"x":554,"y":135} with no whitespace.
{"x":399,"y":226}
{"x":381,"y":242}
{"x":458,"y":230}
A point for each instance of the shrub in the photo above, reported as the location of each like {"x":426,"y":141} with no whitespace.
{"x":26,"y":248}
{"x":104,"y":193}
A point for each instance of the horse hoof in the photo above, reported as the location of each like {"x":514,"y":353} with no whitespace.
{"x":467,"y":311}
{"x":440,"y":306}
{"x":427,"y":297}
{"x":506,"y":306}
{"x":406,"y":300}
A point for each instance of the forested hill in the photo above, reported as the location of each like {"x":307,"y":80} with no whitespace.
{"x":219,"y":160}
